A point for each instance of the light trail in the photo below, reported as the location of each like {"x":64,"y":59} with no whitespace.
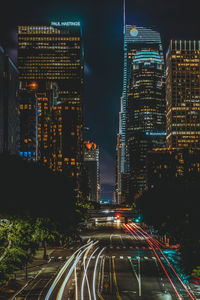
{"x":85,"y":274}
{"x":63,"y":269}
{"x":150,"y":244}
{"x":153,"y":244}
{"x":95,"y":271}
{"x":80,"y":253}
{"x":134,"y":234}
{"x":61,"y":290}
{"x":85,"y":256}
{"x":76,"y":284}
{"x":156,"y":245}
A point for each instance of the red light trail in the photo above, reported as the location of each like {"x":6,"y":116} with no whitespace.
{"x":154,"y":245}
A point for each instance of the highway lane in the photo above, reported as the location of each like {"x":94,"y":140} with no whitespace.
{"x":146,"y":279}
{"x":41,"y":276}
{"x":113,"y":262}
{"x":181,"y":291}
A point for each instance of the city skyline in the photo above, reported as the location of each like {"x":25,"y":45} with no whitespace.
{"x":99,"y":150}
{"x":99,"y":65}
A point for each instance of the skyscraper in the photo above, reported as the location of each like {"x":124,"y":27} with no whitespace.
{"x":53,"y":54}
{"x":142,"y":116}
{"x":28,"y":118}
{"x":183,"y":94}
{"x":91,"y":163}
{"x":118,"y":169}
{"x":9,"y":119}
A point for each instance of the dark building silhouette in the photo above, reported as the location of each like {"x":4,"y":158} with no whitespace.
{"x":164,"y":165}
{"x":91,"y":164}
{"x":9,"y":121}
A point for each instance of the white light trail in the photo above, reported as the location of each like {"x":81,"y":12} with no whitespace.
{"x":80,"y":253}
{"x":85,"y":274}
{"x":63,"y":270}
{"x":94,"y":274}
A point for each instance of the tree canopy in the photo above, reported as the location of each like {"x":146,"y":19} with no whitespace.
{"x":37,"y":206}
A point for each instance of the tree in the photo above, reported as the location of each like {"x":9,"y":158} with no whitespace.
{"x":41,"y":206}
{"x":45,"y":232}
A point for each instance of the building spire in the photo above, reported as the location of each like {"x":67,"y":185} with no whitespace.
{"x":124,"y":15}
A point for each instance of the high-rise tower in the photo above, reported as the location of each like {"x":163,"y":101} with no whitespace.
{"x":54,"y":54}
{"x":142,"y":116}
{"x":183,"y":94}
{"x":91,"y":163}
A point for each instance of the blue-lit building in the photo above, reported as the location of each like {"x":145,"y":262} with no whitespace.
{"x":142,"y":116}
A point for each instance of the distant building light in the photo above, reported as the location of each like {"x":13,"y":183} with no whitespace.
{"x":33,"y":85}
{"x":168,"y":51}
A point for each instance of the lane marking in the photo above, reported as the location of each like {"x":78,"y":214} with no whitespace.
{"x":99,"y":279}
{"x":138,"y":276}
{"x":115,"y":279}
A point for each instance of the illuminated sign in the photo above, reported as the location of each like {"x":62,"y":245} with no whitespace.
{"x":133,"y":32}
{"x":65,"y":23}
{"x":156,"y":133}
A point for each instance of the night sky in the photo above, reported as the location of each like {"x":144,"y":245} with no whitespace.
{"x":103,"y":43}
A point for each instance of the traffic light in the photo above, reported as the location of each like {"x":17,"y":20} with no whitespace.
{"x":118,"y":216}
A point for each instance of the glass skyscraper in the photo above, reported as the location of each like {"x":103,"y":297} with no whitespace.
{"x":54,"y":54}
{"x":142,"y":116}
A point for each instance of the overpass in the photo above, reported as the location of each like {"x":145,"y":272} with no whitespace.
{"x":112,"y":212}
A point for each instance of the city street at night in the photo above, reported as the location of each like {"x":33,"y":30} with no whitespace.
{"x":114,"y":261}
{"x":99,"y":150}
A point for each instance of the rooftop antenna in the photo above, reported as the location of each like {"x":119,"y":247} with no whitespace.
{"x":124,"y":15}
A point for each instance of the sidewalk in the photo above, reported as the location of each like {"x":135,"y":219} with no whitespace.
{"x":17,"y":284}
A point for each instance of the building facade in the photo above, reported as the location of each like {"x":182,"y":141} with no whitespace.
{"x":164,"y":165}
{"x":118,"y":169}
{"x":39,"y":137}
{"x":9,"y":118}
{"x":183,"y":94}
{"x":91,"y":164}
{"x":53,"y":54}
{"x":142,"y":116}
{"x":28,"y":119}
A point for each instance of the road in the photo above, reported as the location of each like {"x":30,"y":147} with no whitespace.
{"x":115,"y":261}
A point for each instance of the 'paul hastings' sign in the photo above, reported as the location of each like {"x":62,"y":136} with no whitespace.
{"x":65,"y":23}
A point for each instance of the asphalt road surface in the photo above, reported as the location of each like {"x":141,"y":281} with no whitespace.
{"x":114,"y":261}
